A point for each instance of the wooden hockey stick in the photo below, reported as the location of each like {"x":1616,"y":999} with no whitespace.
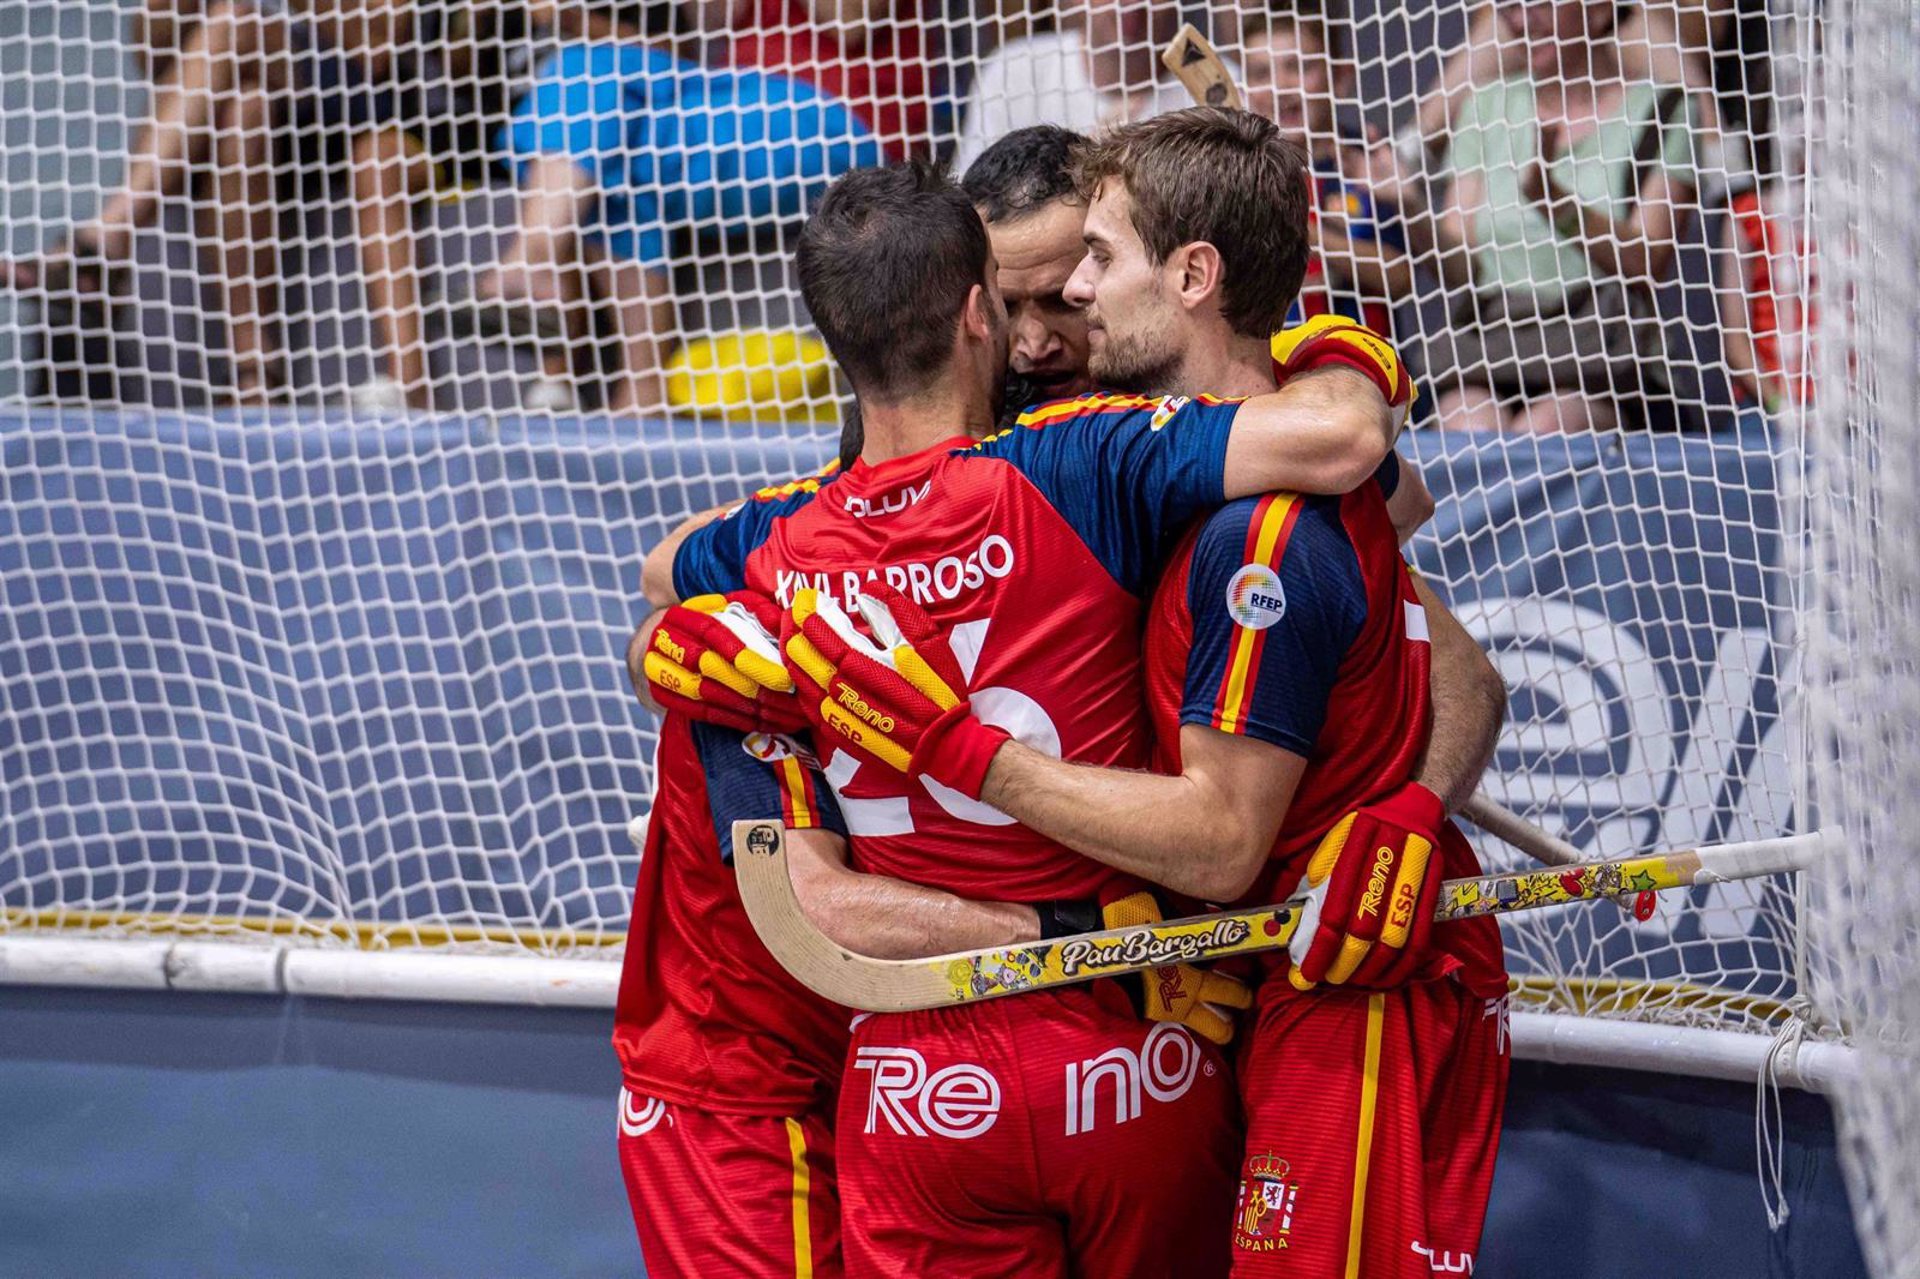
{"x":1191,"y":58}
{"x":1511,"y":828}
{"x":901,"y":985}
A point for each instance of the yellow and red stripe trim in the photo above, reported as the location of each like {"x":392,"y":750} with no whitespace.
{"x":802,"y":1208}
{"x":1267,"y":534}
{"x":1363,"y":1143}
{"x":799,"y":806}
{"x":1085,"y":406}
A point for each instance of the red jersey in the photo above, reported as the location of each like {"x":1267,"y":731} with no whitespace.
{"x":1034,"y":549}
{"x":885,"y":82}
{"x":707,"y":1018}
{"x":1293,"y":620}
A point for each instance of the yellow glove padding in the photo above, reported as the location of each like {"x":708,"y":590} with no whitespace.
{"x":1197,"y":998}
{"x":1335,"y":339}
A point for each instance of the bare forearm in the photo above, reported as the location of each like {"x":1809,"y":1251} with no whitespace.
{"x":1469,"y":706}
{"x":893,"y":919}
{"x":1325,"y":431}
{"x":1171,"y":830}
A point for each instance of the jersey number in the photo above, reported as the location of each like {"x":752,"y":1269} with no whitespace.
{"x":1002,"y":707}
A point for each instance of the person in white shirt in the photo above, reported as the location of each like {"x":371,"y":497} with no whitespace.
{"x":1100,"y":66}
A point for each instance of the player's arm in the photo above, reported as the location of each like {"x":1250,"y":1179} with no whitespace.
{"x":1205,"y":833}
{"x":1410,"y":504}
{"x":1325,"y":431}
{"x":1343,"y":397}
{"x":656,"y":571}
{"x":1128,"y":472}
{"x":1274,"y":592}
{"x":891,"y":918}
{"x":885,"y":918}
{"x":1256,"y":694}
{"x":1469,"y":706}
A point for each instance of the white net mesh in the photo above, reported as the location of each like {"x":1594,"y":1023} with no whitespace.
{"x":347,"y":665}
{"x":1863,"y":500}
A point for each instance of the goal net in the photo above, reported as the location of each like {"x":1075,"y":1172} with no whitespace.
{"x":354,"y":356}
{"x":1862,"y":931}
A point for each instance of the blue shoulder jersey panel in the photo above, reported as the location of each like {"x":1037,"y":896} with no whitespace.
{"x":713,"y":559}
{"x":1388,"y":475}
{"x":1277,"y":597}
{"x":760,"y":777}
{"x":1126,"y":472}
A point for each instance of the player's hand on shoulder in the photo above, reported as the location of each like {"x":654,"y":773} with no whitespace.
{"x":716,"y":658}
{"x":1335,"y":339}
{"x":1370,"y":895}
{"x":1201,"y":999}
{"x":894,"y":694}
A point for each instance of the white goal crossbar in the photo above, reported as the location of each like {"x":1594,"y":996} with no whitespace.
{"x":226,"y":968}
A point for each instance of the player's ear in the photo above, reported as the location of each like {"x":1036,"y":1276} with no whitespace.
{"x":974,"y":317}
{"x":1198,"y":273}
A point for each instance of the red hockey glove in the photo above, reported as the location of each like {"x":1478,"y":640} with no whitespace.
{"x":1370,"y":900}
{"x":715,"y":659}
{"x":1200,"y":999}
{"x":1334,"y":339}
{"x":900,"y":700}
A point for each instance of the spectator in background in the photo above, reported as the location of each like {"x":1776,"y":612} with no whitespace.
{"x":1100,"y":66}
{"x":243,"y":73}
{"x":869,"y":54}
{"x":1565,"y":184}
{"x":473,"y":59}
{"x":619,"y":145}
{"x":1768,"y":295}
{"x":1714,"y":48}
{"x":157,"y":29}
{"x":1359,"y":265}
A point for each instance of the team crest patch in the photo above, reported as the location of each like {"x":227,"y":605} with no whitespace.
{"x":771,"y":749}
{"x":1255,"y":598}
{"x":1163,"y":412}
{"x":1264,"y":1217}
{"x":765,"y":747}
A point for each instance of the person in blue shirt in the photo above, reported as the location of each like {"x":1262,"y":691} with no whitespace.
{"x":620,"y":144}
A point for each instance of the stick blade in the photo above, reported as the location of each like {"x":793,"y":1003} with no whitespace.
{"x":1194,"y":62}
{"x":814,"y":959}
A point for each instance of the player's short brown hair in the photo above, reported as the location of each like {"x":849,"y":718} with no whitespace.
{"x":886,"y":264}
{"x":1226,"y":177}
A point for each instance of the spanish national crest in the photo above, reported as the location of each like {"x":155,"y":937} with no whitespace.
{"x":1264,"y":1217}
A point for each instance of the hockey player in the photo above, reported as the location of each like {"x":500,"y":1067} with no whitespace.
{"x":1289,"y":655}
{"x":964,"y":1149}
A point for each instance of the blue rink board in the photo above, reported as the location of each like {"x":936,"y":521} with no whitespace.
{"x":198,"y":1135}
{"x":269,"y":642}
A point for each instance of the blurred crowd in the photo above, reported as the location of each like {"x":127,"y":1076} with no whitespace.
{"x":1580,"y":215}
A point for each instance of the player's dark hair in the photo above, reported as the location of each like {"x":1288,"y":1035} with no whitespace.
{"x":886,"y":263}
{"x":1024,"y":171}
{"x":853,"y":435}
{"x":1227,"y":177}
